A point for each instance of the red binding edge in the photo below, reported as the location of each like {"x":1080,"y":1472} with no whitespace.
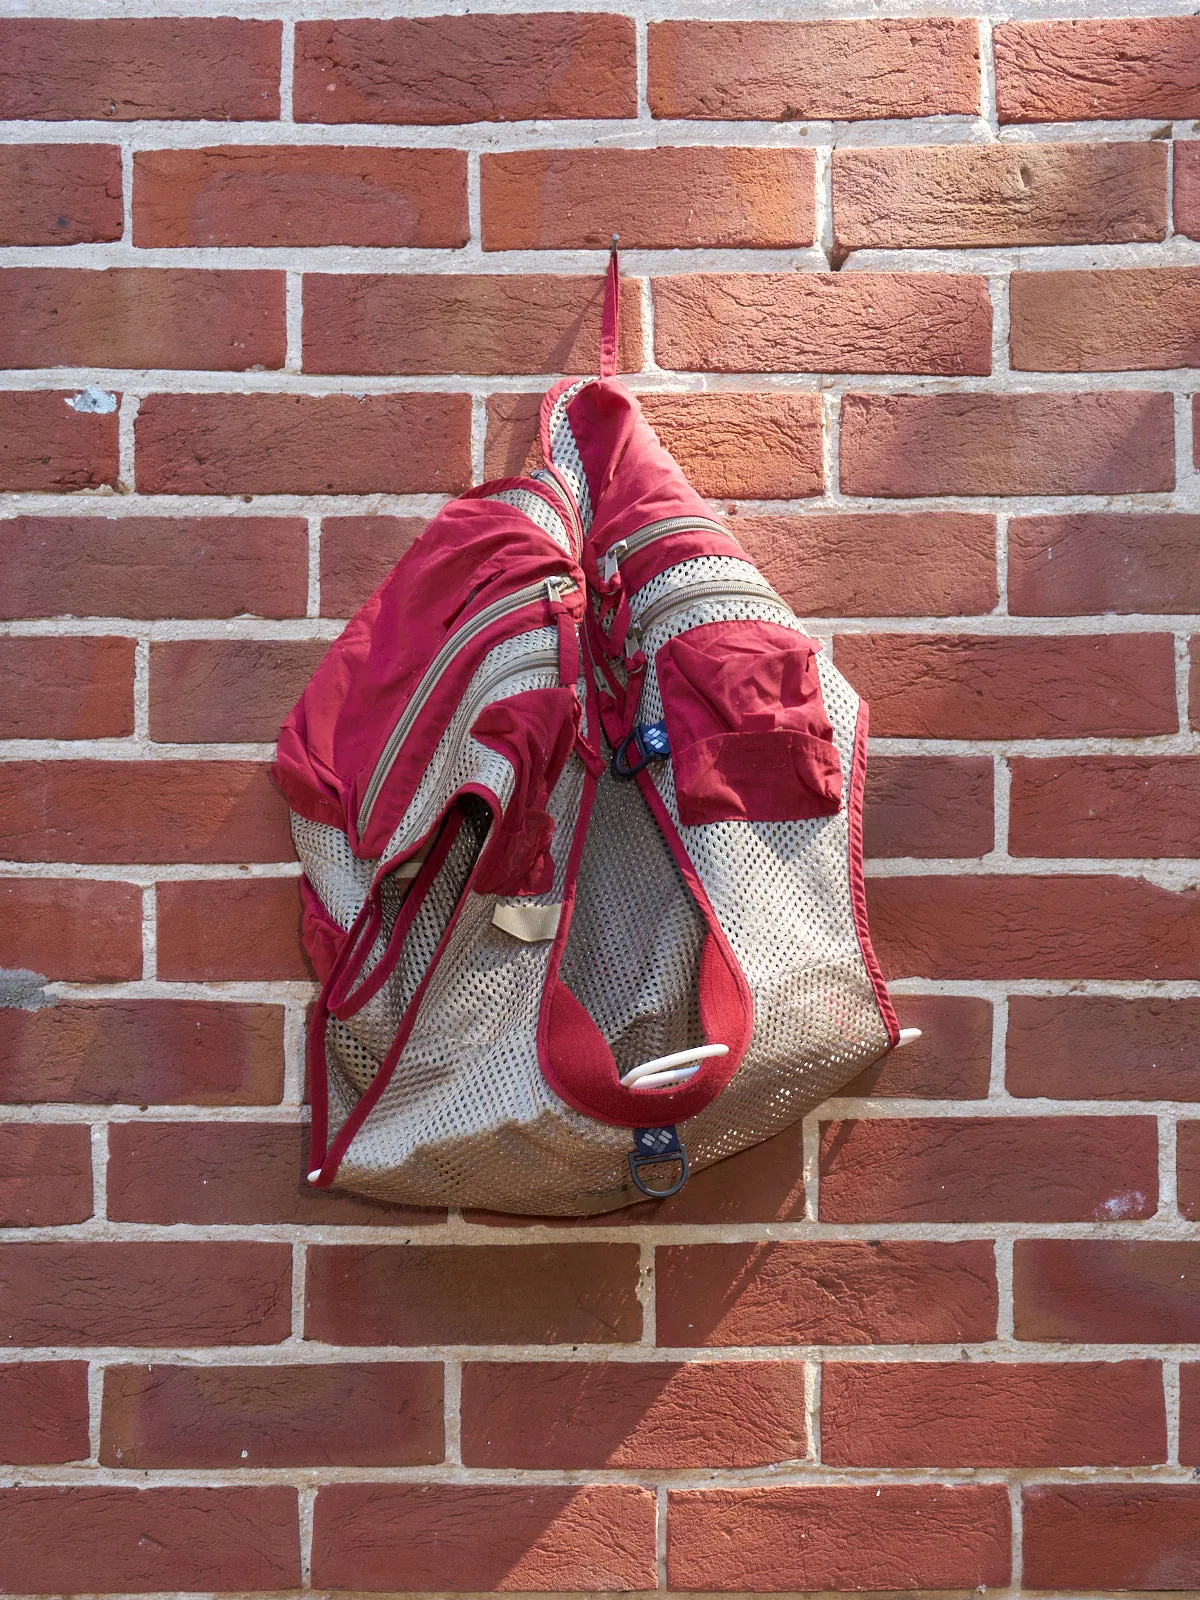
{"x":858,"y":890}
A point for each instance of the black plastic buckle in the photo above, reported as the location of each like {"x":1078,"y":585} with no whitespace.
{"x":650,"y":1147}
{"x":651,"y":743}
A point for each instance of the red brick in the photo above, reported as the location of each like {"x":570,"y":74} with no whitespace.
{"x":152,"y":567}
{"x":823,"y":322}
{"x":229,"y":1172}
{"x":60,"y":193}
{"x":124,"y":69}
{"x":896,"y":1536}
{"x":989,"y":1169}
{"x":947,"y":1414}
{"x":46,"y":444}
{"x":302,"y":444}
{"x":71,"y":929}
{"x":143,"y":1052}
{"x":45,"y":1174}
{"x":66,"y":688}
{"x":484,"y":1536}
{"x":1104,"y":561}
{"x":1107,"y":1291}
{"x":1189,"y":1413}
{"x":1136,"y":319}
{"x":877,"y":564}
{"x":951,"y":1061}
{"x":1187,"y":187}
{"x":219,"y":691}
{"x":187,"y":1293}
{"x":1099,"y":1047}
{"x":941,"y":196}
{"x":650,"y":1414}
{"x":141,"y":811}
{"x":928,"y":806}
{"x":894,"y":1292}
{"x":357,"y":553}
{"x":662,"y":198}
{"x":1098,"y":68}
{"x":481,"y":1294}
{"x":433,"y":322}
{"x":1188,"y":1168}
{"x":1105,"y":806}
{"x":370,"y":1414}
{"x":43,"y":1412}
{"x":1112,"y":1536}
{"x":786,"y":71}
{"x":128,"y":1541}
{"x":1081,"y":443}
{"x":466,"y":68}
{"x":300,"y":195}
{"x":230,"y":931}
{"x":512,"y":425}
{"x":947,"y":686}
{"x":1062,"y":926}
{"x":141,"y":317}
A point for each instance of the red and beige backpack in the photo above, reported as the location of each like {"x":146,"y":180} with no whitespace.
{"x":578,"y":803}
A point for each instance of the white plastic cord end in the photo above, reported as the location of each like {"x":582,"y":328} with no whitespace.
{"x":314,"y":1175}
{"x":907,"y":1036}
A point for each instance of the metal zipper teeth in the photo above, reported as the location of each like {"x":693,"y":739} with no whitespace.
{"x":556,"y":586}
{"x":710,"y":589}
{"x":616,"y":553}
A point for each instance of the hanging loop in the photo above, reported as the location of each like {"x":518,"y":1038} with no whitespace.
{"x":610,"y":326}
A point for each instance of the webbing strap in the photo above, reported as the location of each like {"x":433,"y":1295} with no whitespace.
{"x":610,"y":326}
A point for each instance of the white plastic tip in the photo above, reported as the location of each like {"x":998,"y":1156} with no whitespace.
{"x":314,"y":1175}
{"x":907,"y":1036}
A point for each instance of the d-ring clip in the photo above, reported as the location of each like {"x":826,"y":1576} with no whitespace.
{"x":651,"y":1146}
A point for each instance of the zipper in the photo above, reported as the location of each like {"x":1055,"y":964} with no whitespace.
{"x":568,"y":507}
{"x":680,"y":599}
{"x":616,"y":553}
{"x":553,"y":588}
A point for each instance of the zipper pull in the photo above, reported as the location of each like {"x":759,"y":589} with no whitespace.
{"x":554,"y":590}
{"x":612,"y":559}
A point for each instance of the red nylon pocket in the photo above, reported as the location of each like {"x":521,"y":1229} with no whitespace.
{"x":750,"y":740}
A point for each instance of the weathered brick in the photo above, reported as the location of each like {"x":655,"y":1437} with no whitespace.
{"x":785,"y":71}
{"x":151,"y":567}
{"x":434,"y":322}
{"x":190,"y":1292}
{"x":1189,"y":1413}
{"x":45,"y":443}
{"x":303,"y":444}
{"x":300,"y":195}
{"x":1103,"y":1536}
{"x":1134,"y":319}
{"x":124,"y":69}
{"x":1099,"y":561}
{"x":823,"y":322}
{"x":1081,"y":443}
{"x":1097,"y":68}
{"x":351,"y":1414}
{"x":989,"y":1169}
{"x":60,"y":193}
{"x":357,"y":553}
{"x":219,"y":691}
{"x":879,"y":1293}
{"x":43,"y":1412}
{"x":942,"y":196}
{"x":1187,"y":1172}
{"x":66,"y":688}
{"x":102,"y":1538}
{"x":45,"y":1175}
{"x":229,"y":1172}
{"x":70,"y":928}
{"x":620,"y":1414}
{"x":1107,"y":1291}
{"x":231,"y":930}
{"x":141,"y":811}
{"x":946,"y":686}
{"x":480,"y":1294}
{"x":663,"y":198}
{"x":1105,"y":806}
{"x":985,"y":1414}
{"x":896,"y":1536}
{"x":478,"y":68}
{"x":484,"y":1536}
{"x":143,"y":1052}
{"x":951,"y":1061}
{"x":1187,"y":187}
{"x":928,"y":806}
{"x":1100,"y":1047}
{"x":141,"y":317}
{"x":1065,"y":926}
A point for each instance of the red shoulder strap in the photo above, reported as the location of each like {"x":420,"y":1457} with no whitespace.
{"x":610,"y":326}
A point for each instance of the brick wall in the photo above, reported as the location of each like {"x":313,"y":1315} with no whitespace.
{"x":917,"y":301}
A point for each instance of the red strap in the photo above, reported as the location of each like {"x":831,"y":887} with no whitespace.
{"x":610,"y":327}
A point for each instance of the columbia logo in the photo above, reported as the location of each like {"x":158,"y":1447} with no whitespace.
{"x":656,"y":1141}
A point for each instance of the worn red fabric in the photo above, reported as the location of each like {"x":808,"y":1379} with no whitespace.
{"x":534,"y":732}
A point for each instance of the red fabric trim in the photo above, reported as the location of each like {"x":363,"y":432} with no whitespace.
{"x":858,"y":892}
{"x":610,"y":322}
